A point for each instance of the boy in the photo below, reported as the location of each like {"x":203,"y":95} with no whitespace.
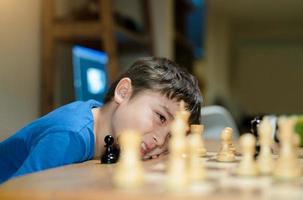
{"x":144,"y":98}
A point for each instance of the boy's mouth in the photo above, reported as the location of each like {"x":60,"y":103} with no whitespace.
{"x":144,"y":148}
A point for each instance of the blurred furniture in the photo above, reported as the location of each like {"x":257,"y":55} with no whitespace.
{"x":215,"y":119}
{"x":102,"y":28}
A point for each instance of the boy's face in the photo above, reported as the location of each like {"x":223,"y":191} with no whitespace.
{"x":148,"y":112}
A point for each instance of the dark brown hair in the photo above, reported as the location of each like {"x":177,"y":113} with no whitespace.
{"x":164,"y":76}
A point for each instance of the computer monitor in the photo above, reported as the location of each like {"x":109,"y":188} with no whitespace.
{"x":90,"y":73}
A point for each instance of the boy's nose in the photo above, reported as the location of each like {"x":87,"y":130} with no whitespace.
{"x":159,"y":139}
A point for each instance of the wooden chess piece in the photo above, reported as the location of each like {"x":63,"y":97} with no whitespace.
{"x":129,"y":171}
{"x":247,"y":165}
{"x":231,"y":145}
{"x":196,"y":131}
{"x":177,"y":173}
{"x":111,"y":153}
{"x":265,"y":159}
{"x":225,"y":154}
{"x":254,"y":124}
{"x":184,"y":116}
{"x":196,"y":170}
{"x":288,"y":164}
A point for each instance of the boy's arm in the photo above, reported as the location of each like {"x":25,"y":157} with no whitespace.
{"x":55,"y":149}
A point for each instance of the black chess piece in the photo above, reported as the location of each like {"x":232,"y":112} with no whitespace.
{"x":111,"y":153}
{"x":254,"y":130}
{"x":254,"y":125}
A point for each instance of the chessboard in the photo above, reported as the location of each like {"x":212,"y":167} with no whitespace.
{"x":92,"y":180}
{"x":222,"y":181}
{"x":195,"y":168}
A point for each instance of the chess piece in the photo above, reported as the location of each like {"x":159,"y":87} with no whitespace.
{"x":184,"y":115}
{"x":265,"y":159}
{"x":247,"y":165}
{"x":129,"y":171}
{"x":177,"y":173}
{"x":196,"y":131}
{"x":288,"y":164}
{"x":254,"y":124}
{"x":232,"y":147}
{"x":196,"y":163}
{"x":111,"y":153}
{"x":226,"y":154}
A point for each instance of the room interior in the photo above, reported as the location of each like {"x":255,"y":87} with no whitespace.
{"x":250,"y":61}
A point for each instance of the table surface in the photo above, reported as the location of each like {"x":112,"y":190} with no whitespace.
{"x":90,"y":180}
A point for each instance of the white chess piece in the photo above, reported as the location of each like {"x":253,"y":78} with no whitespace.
{"x":265,"y":159}
{"x":288,"y":165}
{"x":129,"y":172}
{"x":197,"y":131}
{"x":196,"y":163}
{"x":231,"y":145}
{"x":226,"y":154}
{"x":177,"y":174}
{"x":247,"y":165}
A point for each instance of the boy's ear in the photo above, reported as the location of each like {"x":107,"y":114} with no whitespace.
{"x":123,"y":90}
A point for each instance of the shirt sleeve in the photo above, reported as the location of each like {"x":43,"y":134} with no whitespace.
{"x":53,"y":150}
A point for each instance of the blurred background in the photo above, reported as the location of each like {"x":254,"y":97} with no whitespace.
{"x":246,"y":54}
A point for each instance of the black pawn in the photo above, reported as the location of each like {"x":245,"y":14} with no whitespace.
{"x":111,"y":153}
{"x":254,"y":130}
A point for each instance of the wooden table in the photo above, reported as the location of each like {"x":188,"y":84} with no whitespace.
{"x":90,"y":180}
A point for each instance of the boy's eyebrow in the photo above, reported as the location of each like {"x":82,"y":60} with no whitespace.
{"x":167,"y":111}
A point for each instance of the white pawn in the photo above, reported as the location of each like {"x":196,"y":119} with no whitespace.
{"x":196,"y":131}
{"x":196,"y":163}
{"x":231,"y":145}
{"x":184,"y":116}
{"x":288,"y":164}
{"x":226,"y":154}
{"x":177,"y":174}
{"x":247,"y":165}
{"x":129,"y":171}
{"x":265,"y":159}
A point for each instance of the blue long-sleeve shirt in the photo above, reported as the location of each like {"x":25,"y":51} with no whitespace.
{"x":63,"y":136}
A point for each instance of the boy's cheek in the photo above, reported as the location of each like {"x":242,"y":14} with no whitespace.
{"x":157,"y":151}
{"x":138,"y":119}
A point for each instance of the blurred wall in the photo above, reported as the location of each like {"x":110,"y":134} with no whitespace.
{"x":217,"y":55}
{"x":254,"y":55}
{"x":19,"y":64}
{"x":162,"y":13}
{"x":266,"y":68}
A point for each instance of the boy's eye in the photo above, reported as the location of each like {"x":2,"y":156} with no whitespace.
{"x":162,"y":118}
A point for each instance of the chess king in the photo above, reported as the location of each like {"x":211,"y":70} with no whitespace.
{"x":144,"y":98}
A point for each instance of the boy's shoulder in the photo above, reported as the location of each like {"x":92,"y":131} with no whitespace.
{"x":72,"y":116}
{"x":78,"y":105}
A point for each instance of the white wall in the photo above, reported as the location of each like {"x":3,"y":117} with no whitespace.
{"x":19,"y":64}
